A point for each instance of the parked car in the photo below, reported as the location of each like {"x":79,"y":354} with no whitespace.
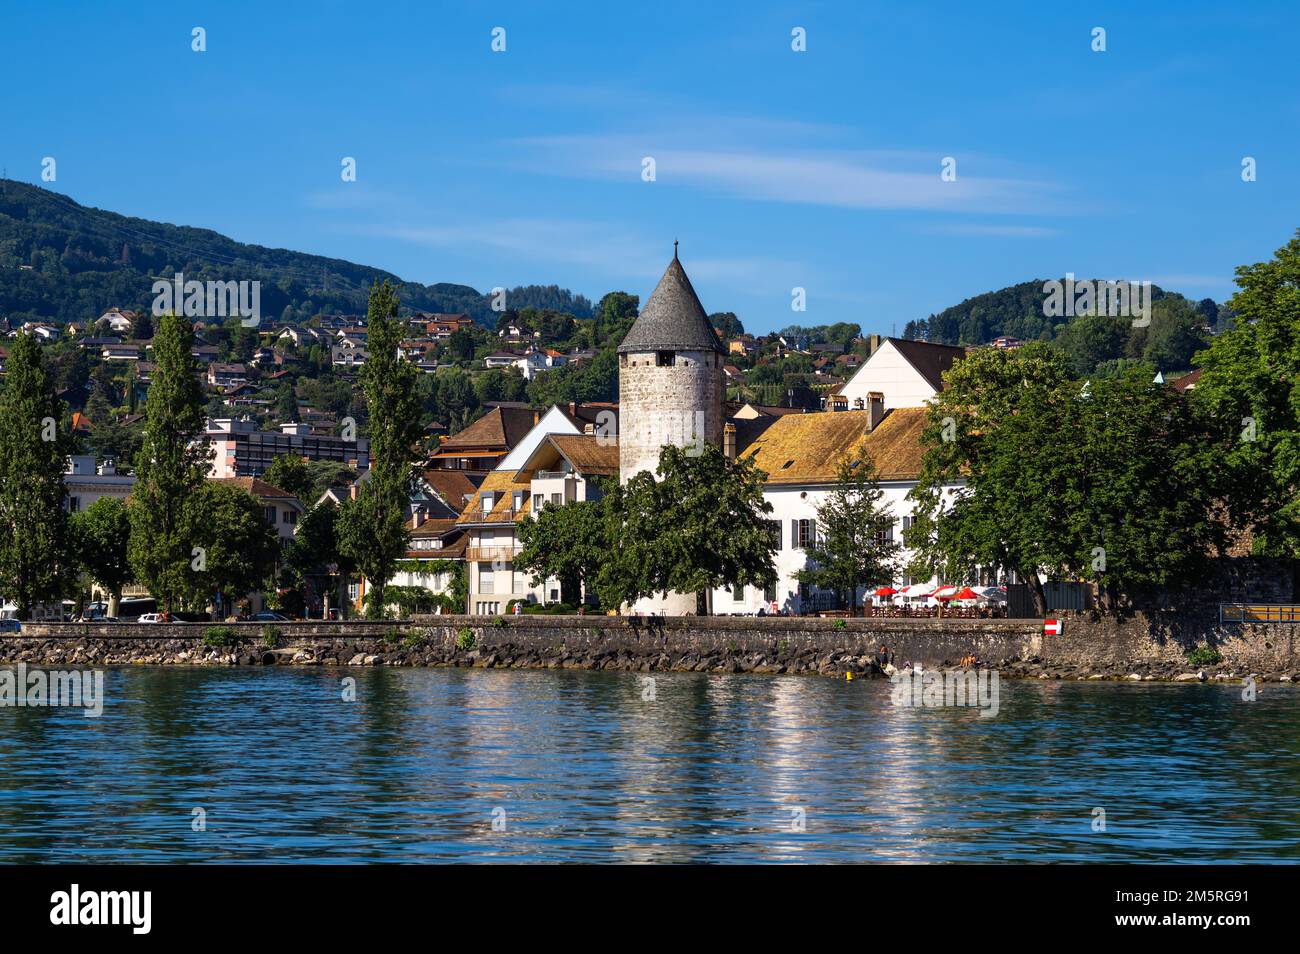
{"x":10,"y":626}
{"x":150,"y":618}
{"x":266,"y":616}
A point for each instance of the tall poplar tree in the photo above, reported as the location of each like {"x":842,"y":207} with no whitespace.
{"x":372,"y":529}
{"x":170,"y":467}
{"x":35,"y":558}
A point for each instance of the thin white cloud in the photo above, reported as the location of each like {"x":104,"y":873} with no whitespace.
{"x":605,"y":249}
{"x":349,"y":195}
{"x":996,"y":231}
{"x":1176,"y":282}
{"x":887,"y":180}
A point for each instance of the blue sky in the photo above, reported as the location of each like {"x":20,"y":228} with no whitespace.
{"x":775,"y":168}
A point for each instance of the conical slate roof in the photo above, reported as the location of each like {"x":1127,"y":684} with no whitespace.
{"x":673,"y":319}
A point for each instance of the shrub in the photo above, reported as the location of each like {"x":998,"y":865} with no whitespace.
{"x":465,"y":639}
{"x":270,"y":636}
{"x":393,"y":636}
{"x":219,"y":636}
{"x":1204,"y":656}
{"x":839,"y":624}
{"x":416,"y":638}
{"x":498,"y":621}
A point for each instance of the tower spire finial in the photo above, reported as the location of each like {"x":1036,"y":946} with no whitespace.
{"x":674,"y":249}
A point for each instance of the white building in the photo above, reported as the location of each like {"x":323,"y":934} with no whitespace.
{"x":670,"y":387}
{"x":907,"y":373}
{"x":801,"y":454}
{"x":548,"y":469}
{"x":85,"y":482}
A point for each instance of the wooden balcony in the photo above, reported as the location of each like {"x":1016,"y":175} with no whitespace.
{"x":490,"y":554}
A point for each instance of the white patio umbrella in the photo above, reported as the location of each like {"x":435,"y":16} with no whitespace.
{"x":917,"y":591}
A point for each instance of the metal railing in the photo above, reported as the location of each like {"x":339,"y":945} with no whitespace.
{"x":1259,"y":613}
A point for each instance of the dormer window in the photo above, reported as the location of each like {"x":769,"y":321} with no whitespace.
{"x":665,"y":359}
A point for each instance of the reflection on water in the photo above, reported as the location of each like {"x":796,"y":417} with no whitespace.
{"x":581,"y":767}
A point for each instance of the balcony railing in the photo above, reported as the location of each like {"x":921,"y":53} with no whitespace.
{"x":490,"y":554}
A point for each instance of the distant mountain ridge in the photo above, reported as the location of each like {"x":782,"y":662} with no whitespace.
{"x":62,"y":261}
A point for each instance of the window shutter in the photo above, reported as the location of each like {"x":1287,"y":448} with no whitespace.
{"x":794,"y":534}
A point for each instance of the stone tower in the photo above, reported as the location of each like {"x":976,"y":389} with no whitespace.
{"x":670,"y":389}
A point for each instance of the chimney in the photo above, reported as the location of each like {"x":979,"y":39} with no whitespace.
{"x":352,"y":491}
{"x":729,"y":441}
{"x":873,"y":342}
{"x":875,"y":408}
{"x":573,"y":409}
{"x":537,"y":416}
{"x":419,"y":518}
{"x":589,"y":428}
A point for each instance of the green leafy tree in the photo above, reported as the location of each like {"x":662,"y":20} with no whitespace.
{"x":102,"y":534}
{"x":1250,"y":390}
{"x":1027,"y":469}
{"x":292,"y":474}
{"x":727,"y":324}
{"x":35,"y":557}
{"x":994,"y":432}
{"x":315,"y":550}
{"x":142,"y":327}
{"x":1176,"y":333}
{"x":565,"y":543}
{"x":170,"y":467}
{"x":373,"y":528}
{"x":238,"y":546}
{"x":326,"y":474}
{"x":854,"y":544}
{"x":461,"y":345}
{"x":1090,"y":340}
{"x":702,"y":525}
{"x":1149,"y":475}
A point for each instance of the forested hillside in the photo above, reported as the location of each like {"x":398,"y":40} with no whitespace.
{"x":1179,"y":327}
{"x":62,"y":261}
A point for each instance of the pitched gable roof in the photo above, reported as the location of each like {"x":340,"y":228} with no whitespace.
{"x":929,"y":360}
{"x":673,"y":319}
{"x":589,"y":454}
{"x":808,"y":448}
{"x":500,"y":428}
{"x":453,"y":486}
{"x":259,"y":488}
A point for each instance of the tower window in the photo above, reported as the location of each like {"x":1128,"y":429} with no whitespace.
{"x":665,"y":359}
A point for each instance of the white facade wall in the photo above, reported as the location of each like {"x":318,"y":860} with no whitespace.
{"x":793,"y":503}
{"x":888,"y":372}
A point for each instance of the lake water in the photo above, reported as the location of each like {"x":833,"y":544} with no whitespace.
{"x":579,"y":766}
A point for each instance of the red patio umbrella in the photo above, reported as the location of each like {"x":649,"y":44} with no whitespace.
{"x":886,"y":591}
{"x":966,"y":593}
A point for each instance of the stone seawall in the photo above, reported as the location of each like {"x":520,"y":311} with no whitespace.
{"x":1151,"y":648}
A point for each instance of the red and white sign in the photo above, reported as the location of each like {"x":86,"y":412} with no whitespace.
{"x":1052,"y":627}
